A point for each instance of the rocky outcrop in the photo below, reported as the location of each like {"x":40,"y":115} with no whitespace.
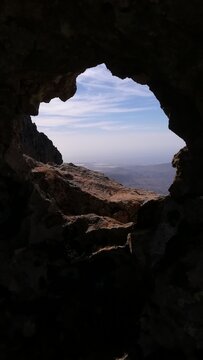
{"x":37,"y":145}
{"x":66,"y":272}
{"x":92,"y":210}
{"x":188,"y":178}
{"x":88,"y":192}
{"x":88,"y":234}
{"x":168,"y":246}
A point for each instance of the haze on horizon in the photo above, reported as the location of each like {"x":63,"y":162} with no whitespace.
{"x":109,"y":120}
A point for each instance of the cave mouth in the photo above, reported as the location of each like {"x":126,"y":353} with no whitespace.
{"x":146,"y":303}
{"x":112,"y":123}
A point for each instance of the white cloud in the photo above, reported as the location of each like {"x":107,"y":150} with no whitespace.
{"x":90,"y":107}
{"x":100,"y":94}
{"x":97,"y":123}
{"x":101,"y":77}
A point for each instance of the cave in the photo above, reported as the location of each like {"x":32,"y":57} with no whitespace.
{"x":142,"y":302}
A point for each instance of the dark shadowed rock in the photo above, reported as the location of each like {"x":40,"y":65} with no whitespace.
{"x":169,"y":248}
{"x":189,"y":175}
{"x":67,"y":278}
{"x":87,"y":234}
{"x":37,"y":145}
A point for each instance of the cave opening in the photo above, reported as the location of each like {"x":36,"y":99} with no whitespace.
{"x":62,"y":295}
{"x":114,"y":126}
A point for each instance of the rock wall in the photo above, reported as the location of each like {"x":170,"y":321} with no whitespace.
{"x":37,"y":144}
{"x":146,"y":299}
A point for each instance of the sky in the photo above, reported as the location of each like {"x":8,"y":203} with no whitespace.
{"x":110,"y":121}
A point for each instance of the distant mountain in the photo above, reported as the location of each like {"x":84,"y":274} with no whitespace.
{"x":156,"y":178}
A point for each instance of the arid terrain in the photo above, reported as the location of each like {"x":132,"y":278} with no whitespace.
{"x":95,"y":211}
{"x":157,"y":178}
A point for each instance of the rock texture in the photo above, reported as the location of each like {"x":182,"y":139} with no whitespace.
{"x":89,"y":191}
{"x":37,"y":144}
{"x":66,"y":270}
{"x":87,"y":204}
{"x":169,"y":247}
{"x":144,"y":300}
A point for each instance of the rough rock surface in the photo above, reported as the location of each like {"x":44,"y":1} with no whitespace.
{"x":80,"y":204}
{"x":66,"y":274}
{"x":169,"y":247}
{"x":90,"y":233}
{"x":146,"y":303}
{"x":37,"y":145}
{"x":89,"y":192}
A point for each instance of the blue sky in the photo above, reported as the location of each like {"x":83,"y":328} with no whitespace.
{"x":109,"y":120}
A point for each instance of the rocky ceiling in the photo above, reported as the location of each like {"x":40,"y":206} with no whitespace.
{"x":45,"y":45}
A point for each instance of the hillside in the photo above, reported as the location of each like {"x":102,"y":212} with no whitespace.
{"x":85,"y":209}
{"x":156,"y":178}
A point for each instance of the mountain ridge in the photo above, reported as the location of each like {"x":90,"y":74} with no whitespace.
{"x":157,"y":177}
